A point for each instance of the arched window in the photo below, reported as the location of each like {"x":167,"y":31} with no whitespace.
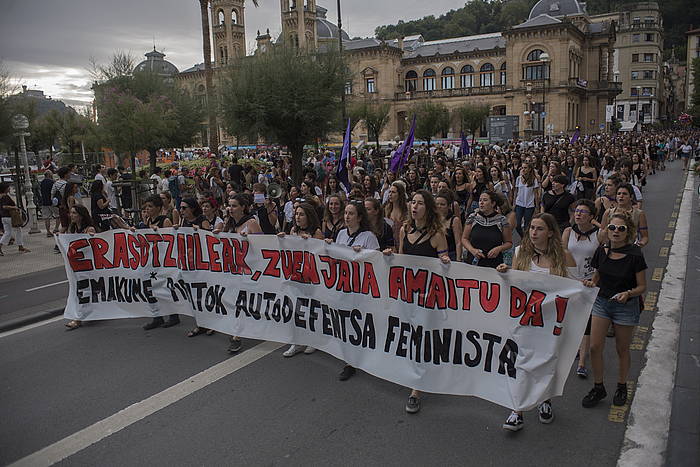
{"x":429,"y":80}
{"x":486,"y":75}
{"x":466,"y":76}
{"x":234,"y":17}
{"x":221,"y":17}
{"x":503,"y":74}
{"x":411,"y":81}
{"x":534,"y":55}
{"x":534,"y":71}
{"x":448,"y":78}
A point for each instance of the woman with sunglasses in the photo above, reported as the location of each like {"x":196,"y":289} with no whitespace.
{"x":542,"y":252}
{"x":620,"y":273}
{"x":625,"y":206}
{"x":581,"y":239}
{"x":423,"y":235}
{"x":358,"y":235}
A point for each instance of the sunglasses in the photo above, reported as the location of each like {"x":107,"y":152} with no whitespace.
{"x":619,"y":228}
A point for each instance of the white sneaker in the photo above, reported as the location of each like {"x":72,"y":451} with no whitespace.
{"x":293,"y":350}
{"x":514,"y":422}
{"x":309,"y":350}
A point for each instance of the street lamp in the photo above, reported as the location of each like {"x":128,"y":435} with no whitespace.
{"x":544,"y":58}
{"x":20,"y":124}
{"x":340,"y":49}
{"x":639,"y":91}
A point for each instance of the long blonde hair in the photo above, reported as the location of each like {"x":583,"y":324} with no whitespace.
{"x":554,"y":251}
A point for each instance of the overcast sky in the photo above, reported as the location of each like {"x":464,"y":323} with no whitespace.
{"x":47,"y":44}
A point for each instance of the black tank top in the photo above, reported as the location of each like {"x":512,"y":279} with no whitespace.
{"x":451,"y":245}
{"x":420,"y":247}
{"x":332,"y":232}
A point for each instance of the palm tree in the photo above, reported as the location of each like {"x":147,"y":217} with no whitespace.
{"x":208,"y":75}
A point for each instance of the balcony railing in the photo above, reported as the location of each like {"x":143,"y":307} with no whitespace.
{"x":456,"y":92}
{"x":648,"y":25}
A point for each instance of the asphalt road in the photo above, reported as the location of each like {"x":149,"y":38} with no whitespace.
{"x":32,"y":293}
{"x":276,"y":410}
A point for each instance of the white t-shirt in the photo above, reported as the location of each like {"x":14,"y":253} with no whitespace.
{"x":111,"y":194}
{"x":365,"y":239}
{"x":686,"y":149}
{"x":526,"y":194}
{"x":159,"y":184}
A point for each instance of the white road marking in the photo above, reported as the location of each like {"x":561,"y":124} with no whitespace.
{"x":46,"y":285}
{"x":646,"y":436}
{"x":30,"y":326}
{"x":3,"y":296}
{"x":113,"y":424}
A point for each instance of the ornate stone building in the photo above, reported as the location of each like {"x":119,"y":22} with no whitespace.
{"x":554,"y":71}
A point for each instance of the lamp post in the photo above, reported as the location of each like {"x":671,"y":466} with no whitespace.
{"x":639,"y":91}
{"x":544,"y":58}
{"x":528,"y":110}
{"x":20,"y":124}
{"x":340,"y":49}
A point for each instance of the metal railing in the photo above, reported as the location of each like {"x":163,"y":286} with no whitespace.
{"x":455,"y":92}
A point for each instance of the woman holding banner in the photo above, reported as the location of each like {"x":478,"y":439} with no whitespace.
{"x":423,"y":235}
{"x":620,"y":273}
{"x":333,"y":216}
{"x":487,"y":233}
{"x":541,"y":251}
{"x":242,"y":222}
{"x":80,"y":223}
{"x":358,"y":235}
{"x":306,"y":225}
{"x":396,"y":208}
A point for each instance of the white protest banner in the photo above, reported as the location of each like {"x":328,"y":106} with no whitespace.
{"x":453,"y":329}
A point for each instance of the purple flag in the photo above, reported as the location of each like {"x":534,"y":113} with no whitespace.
{"x":464,"y":147}
{"x":404,"y":151}
{"x":342,"y":169}
{"x":576,"y":135}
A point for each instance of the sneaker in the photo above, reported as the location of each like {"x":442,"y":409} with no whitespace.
{"x":596,"y":395}
{"x":235,"y":345}
{"x":514,"y":422}
{"x":545,"y":412}
{"x":309,"y":350}
{"x":620,"y":397}
{"x":413,"y":405}
{"x":582,"y":372}
{"x":155,"y":323}
{"x":347,"y":373}
{"x":56,"y":250}
{"x":172,"y":321}
{"x":293,"y":350}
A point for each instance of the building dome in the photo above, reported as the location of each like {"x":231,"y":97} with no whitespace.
{"x":556,"y":8}
{"x":155,"y":63}
{"x":324,"y":28}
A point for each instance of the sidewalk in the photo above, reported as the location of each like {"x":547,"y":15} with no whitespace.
{"x":684,"y":436}
{"x":40,"y":258}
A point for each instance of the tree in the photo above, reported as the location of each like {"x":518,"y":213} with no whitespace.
{"x":5,"y":114}
{"x":694,"y":110}
{"x":471,"y":117}
{"x":431,"y":119}
{"x":375,"y":116}
{"x":289,"y":96}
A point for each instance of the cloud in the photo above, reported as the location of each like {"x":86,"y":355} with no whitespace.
{"x":48,"y":44}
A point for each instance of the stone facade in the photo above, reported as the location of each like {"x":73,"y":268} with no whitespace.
{"x":555,"y":72}
{"x":692,"y":54}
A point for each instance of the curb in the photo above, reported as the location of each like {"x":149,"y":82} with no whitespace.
{"x":31,"y":319}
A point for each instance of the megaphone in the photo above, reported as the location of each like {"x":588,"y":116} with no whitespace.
{"x":274,"y":191}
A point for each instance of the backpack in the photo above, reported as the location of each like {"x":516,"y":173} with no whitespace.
{"x":174,"y":186}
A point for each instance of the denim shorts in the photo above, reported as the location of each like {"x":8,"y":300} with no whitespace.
{"x":624,"y":314}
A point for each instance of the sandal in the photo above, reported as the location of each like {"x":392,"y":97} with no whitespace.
{"x":210,"y":332}
{"x":195,"y":332}
{"x":71,"y":325}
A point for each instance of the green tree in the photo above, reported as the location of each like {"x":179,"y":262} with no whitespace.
{"x":289,"y":96}
{"x":694,"y":109}
{"x":471,"y":117}
{"x":432,"y":119}
{"x":374,"y":115}
{"x":44,"y":135}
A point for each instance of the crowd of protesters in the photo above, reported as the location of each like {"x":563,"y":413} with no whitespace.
{"x":571,"y":209}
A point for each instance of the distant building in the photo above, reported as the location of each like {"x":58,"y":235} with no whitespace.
{"x":155,"y":63}
{"x":692,"y":54}
{"x":553,"y":71}
{"x":42,"y":104}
